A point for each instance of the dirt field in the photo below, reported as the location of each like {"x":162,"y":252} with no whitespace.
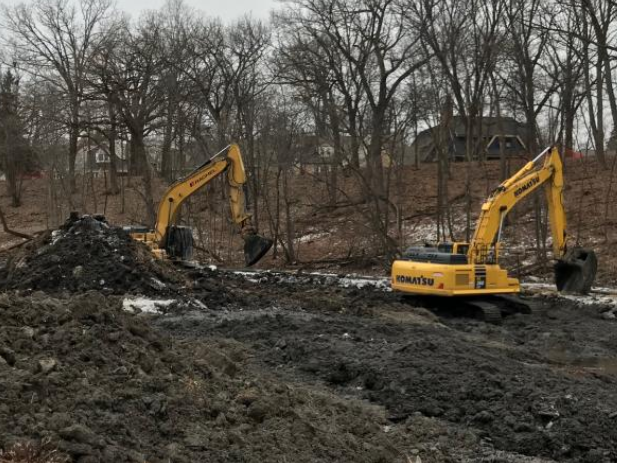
{"x":168,"y":364}
{"x":539,"y":385}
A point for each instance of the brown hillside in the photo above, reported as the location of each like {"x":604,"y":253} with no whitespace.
{"x":339,"y":236}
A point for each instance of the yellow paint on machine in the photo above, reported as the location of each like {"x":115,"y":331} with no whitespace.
{"x":451,"y":280}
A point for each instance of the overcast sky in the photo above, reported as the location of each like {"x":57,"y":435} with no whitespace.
{"x":225,"y":9}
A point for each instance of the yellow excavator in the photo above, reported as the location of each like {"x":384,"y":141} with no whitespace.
{"x":472,"y":270}
{"x":170,"y":240}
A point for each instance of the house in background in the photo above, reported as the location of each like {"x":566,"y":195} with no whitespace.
{"x":316,"y":155}
{"x":491,"y":131}
{"x":93,"y":159}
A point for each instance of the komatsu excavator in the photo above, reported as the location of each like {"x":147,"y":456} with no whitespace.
{"x":472,"y":270}
{"x":170,"y":240}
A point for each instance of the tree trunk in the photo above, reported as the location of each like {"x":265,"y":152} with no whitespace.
{"x":73,"y":139}
{"x":374,"y":161}
{"x":114,"y":189}
{"x":255,"y":178}
{"x":166,"y":161}
{"x":610,"y":90}
{"x":503,"y":160}
{"x":289,"y":222}
{"x":11,"y":169}
{"x":597,"y":131}
{"x":138,"y":153}
{"x":338,"y":148}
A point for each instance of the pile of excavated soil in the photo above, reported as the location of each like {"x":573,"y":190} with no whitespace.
{"x":89,"y":254}
{"x":99,"y":385}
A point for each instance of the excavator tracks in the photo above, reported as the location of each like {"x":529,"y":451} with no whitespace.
{"x":492,"y":309}
{"x":491,"y":312}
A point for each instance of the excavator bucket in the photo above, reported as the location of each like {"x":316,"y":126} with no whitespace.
{"x":576,"y":271}
{"x":255,"y":247}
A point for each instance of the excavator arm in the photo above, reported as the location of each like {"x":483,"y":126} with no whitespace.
{"x":576,"y":268}
{"x":227,"y":161}
{"x":527,"y":180}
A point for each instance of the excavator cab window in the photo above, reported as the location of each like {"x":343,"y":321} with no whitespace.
{"x":445,"y":247}
{"x":453,"y":248}
{"x":461,"y":248}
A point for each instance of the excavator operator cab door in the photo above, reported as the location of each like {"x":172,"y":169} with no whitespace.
{"x":461,"y":248}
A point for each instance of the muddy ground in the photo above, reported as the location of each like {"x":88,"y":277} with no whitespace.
{"x":540,"y":385}
{"x":247,"y":368}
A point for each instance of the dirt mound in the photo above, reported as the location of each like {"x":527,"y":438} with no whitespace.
{"x":89,"y":254}
{"x":99,"y":384}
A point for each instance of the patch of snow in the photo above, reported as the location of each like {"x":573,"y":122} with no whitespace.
{"x":158,"y":283}
{"x":144,"y":304}
{"x":599,"y":296}
{"x":324,"y":279}
{"x":56,"y":235}
{"x":200,"y":305}
{"x":593,"y":299}
{"x":312,"y":237}
{"x":349,"y":281}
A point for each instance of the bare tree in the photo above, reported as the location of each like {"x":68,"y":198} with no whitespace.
{"x":567,"y":69}
{"x":15,"y":154}
{"x":465,"y":38}
{"x":133,"y":78}
{"x":362,"y":53}
{"x":526,"y":77}
{"x":55,"y":40}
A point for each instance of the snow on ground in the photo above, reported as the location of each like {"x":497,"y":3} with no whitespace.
{"x":326,"y":279}
{"x":312,"y":237}
{"x":144,"y":304}
{"x":599,"y":296}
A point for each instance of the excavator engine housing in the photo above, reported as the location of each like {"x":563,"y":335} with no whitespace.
{"x":445,"y":271}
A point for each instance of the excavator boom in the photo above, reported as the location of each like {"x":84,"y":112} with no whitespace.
{"x":503,"y":199}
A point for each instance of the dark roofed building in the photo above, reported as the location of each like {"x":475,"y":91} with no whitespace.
{"x":513,"y":135}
